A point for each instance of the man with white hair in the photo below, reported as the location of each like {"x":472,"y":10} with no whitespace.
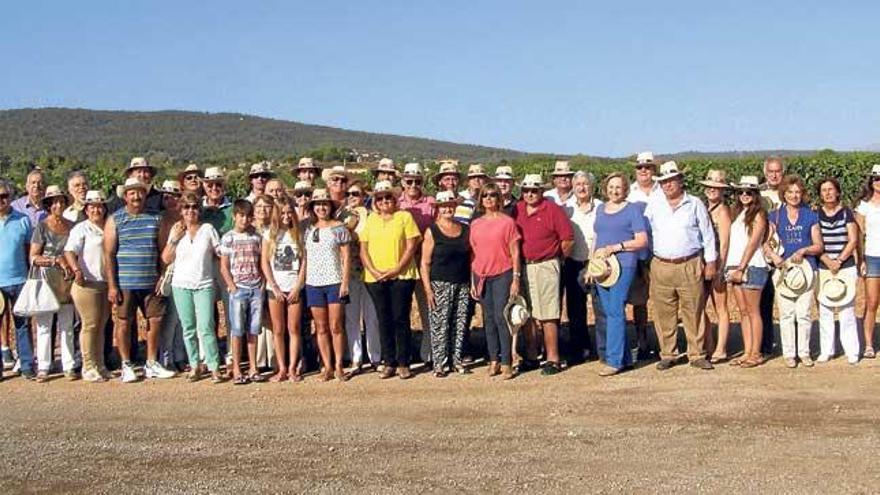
{"x":31,"y":204}
{"x":562,"y":193}
{"x":503,"y":178}
{"x":77,"y":187}
{"x":774,"y":171}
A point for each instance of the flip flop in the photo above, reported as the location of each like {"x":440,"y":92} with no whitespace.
{"x":257,"y":378}
{"x":241,"y":380}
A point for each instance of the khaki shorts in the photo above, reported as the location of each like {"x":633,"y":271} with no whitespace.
{"x":541,"y":289}
{"x":641,"y":284}
{"x":151,"y":305}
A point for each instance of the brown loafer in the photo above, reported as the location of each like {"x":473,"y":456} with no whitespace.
{"x":404,"y":372}
{"x":507,"y":372}
{"x":702,"y":364}
{"x":494,"y":368}
{"x":387,"y":372}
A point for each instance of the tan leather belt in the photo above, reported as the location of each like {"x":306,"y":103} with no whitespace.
{"x":677,"y":261}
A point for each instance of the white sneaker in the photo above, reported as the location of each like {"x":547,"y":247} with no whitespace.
{"x":92,"y":376}
{"x":853,"y":360}
{"x":155,"y":370}
{"x":128,"y":374}
{"x":823,"y":358}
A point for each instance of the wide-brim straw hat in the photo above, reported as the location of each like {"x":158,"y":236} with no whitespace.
{"x":384,"y":188}
{"x":385,"y":165}
{"x":668,"y":171}
{"x":605,"y":271}
{"x":95,"y":197}
{"x":261,"y":168}
{"x":793,"y":279}
{"x":133,"y":183}
{"x":562,"y":168}
{"x":645,"y":158}
{"x":320,"y":196}
{"x":716,"y":179}
{"x":335,"y":171}
{"x":445,"y":169}
{"x":191,"y":168}
{"x":214,"y":174}
{"x":445,"y":198}
{"x":516,"y":313}
{"x":503,"y":172}
{"x":533,"y":181}
{"x":306,"y":163}
{"x":413,"y":170}
{"x":875,"y":170}
{"x":836,"y":290}
{"x":139,"y":162}
{"x":748,"y":182}
{"x":53,"y":192}
{"x":171,"y":187}
{"x":477,"y":170}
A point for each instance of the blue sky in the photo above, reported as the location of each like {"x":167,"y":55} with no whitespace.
{"x":602,"y":78}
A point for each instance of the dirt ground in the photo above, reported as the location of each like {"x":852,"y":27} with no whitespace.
{"x":769,"y":428}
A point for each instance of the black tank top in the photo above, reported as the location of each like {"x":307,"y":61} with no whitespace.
{"x":451,"y":259}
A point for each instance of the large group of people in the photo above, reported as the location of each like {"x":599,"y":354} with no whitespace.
{"x":314,"y":276}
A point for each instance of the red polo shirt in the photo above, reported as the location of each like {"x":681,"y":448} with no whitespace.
{"x":543,"y":230}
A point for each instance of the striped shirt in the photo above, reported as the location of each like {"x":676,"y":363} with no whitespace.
{"x":834,"y":234}
{"x":137,"y":256}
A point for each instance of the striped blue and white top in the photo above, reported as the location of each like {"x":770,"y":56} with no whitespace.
{"x":834,"y":235}
{"x":137,"y":256}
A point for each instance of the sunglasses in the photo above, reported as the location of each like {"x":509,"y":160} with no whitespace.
{"x":302,"y":195}
{"x":190,"y":206}
{"x":353,"y":194}
{"x":213,"y":185}
{"x":261,"y":176}
{"x":530,"y":191}
{"x":387,"y":198}
{"x":338,"y":179}
{"x":644,"y":167}
{"x":493,"y":195}
{"x":875,"y":178}
{"x":747,"y":193}
{"x":412,"y":182}
{"x":191,"y":177}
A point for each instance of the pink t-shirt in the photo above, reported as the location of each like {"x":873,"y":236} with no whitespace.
{"x":490,"y":241}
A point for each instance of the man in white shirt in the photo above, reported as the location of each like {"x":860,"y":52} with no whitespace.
{"x":562,"y":194}
{"x":582,"y":215}
{"x":774,"y":171}
{"x":684,"y":255}
{"x":77,"y":186}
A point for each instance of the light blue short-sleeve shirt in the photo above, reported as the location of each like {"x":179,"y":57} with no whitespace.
{"x":15,"y":235}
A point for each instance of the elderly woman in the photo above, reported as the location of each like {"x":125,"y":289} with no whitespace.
{"x":868,"y":219}
{"x":621,"y":231}
{"x":797,"y":227}
{"x":172,"y":349}
{"x":84,"y":254}
{"x":47,"y":251}
{"x":388,"y":245}
{"x":328,"y":263}
{"x":445,"y":274}
{"x":582,"y":214}
{"x":714,"y":187}
{"x":301,"y":194}
{"x":360,"y":313}
{"x":285,"y":281}
{"x":192,"y":247}
{"x":495,"y":265}
{"x":190,"y":179}
{"x":746,"y":269}
{"x":839,"y":238}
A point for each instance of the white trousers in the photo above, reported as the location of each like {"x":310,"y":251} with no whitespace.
{"x":361,"y":310}
{"x":795,"y":324}
{"x":65,"y":335}
{"x":849,"y":330}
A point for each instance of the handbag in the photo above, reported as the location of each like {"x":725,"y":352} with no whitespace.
{"x":36,"y":297}
{"x":165,"y":286}
{"x":60,"y":286}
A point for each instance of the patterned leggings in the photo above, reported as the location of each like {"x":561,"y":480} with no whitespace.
{"x":449,"y":317}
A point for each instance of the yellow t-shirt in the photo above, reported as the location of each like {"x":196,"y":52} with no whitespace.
{"x":387,"y":242}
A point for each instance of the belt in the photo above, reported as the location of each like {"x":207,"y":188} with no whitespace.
{"x":677,"y":261}
{"x":535,"y":262}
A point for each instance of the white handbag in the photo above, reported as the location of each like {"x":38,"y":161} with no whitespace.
{"x":36,"y":297}
{"x":165,"y":286}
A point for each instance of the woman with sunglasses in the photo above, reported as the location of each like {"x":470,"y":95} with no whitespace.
{"x":301,"y":194}
{"x":190,"y":179}
{"x":868,"y":219}
{"x":388,"y":246}
{"x":746,"y":269}
{"x":192,"y":247}
{"x":285,"y":279}
{"x":494,"y":241}
{"x":360,"y":313}
{"x":47,"y":250}
{"x":715,"y":186}
{"x":172,"y":349}
{"x":327,"y":267}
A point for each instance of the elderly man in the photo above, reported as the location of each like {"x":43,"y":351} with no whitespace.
{"x":31,"y":204}
{"x":216,"y":207}
{"x":562,"y":193}
{"x":140,"y":169}
{"x":476,"y":179}
{"x":307,"y":170}
{"x":337,"y":179}
{"x":259,"y":175}
{"x":77,"y":187}
{"x":15,"y":239}
{"x":774,"y":171}
{"x":684,"y":256}
{"x":644,"y":188}
{"x":503,"y":178}
{"x":131,"y":259}
{"x":547,"y":238}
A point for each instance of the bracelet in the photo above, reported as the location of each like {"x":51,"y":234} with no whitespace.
{"x":517,"y":274}
{"x":622,"y":247}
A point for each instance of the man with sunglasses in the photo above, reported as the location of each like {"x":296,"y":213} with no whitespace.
{"x":774,"y":171}
{"x":547,"y":237}
{"x":259,"y":175}
{"x":642,"y":190}
{"x":190,"y":179}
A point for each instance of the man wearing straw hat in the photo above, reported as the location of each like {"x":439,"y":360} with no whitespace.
{"x":142,"y":170}
{"x":307,"y":170}
{"x":503,"y":178}
{"x":563,"y":192}
{"x":259,"y":175}
{"x":386,"y":170}
{"x":684,"y":256}
{"x":547,"y":237}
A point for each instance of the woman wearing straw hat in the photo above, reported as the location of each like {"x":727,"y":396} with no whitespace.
{"x":746,"y":269}
{"x":47,"y":250}
{"x":838,"y":270}
{"x":620,"y":232}
{"x":868,"y":219}
{"x":172,"y":349}
{"x":84,"y":252}
{"x":798,"y":229}
{"x":190,"y":179}
{"x":302,"y":193}
{"x":714,"y":186}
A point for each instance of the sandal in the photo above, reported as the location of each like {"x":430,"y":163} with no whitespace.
{"x":462,"y":369}
{"x":869,"y":353}
{"x":440,"y":374}
{"x":295,"y":378}
{"x":747,"y":363}
{"x":341,"y":376}
{"x":278,"y":377}
{"x":216,"y":378}
{"x":257,"y":378}
{"x":42,"y":377}
{"x":240,"y":380}
{"x":718,"y":359}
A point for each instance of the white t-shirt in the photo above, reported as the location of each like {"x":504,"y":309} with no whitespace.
{"x":739,"y":239}
{"x":871,"y":212}
{"x":286,"y":261}
{"x":195,"y":259}
{"x":636,"y":195}
{"x":86,"y":240}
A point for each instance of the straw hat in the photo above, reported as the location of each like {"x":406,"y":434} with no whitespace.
{"x":562,"y":168}
{"x":836,"y":290}
{"x":793,"y":279}
{"x":320,"y":196}
{"x":214,"y":174}
{"x":503,"y":172}
{"x":875,"y":170}
{"x":261,"y":168}
{"x":604,"y":271}
{"x":516,"y":313}
{"x":747,"y":182}
{"x":139,"y":162}
{"x":532,"y":181}
{"x":303,"y":185}
{"x":445,"y":198}
{"x":53,"y":192}
{"x":335,"y":171}
{"x":385,"y":165}
{"x":446,"y":168}
{"x":667,"y":171}
{"x":95,"y":197}
{"x":645,"y":158}
{"x":306,"y":163}
{"x":413,"y":170}
{"x":477,"y":170}
{"x":133,"y":183}
{"x":716,"y":178}
{"x":192,"y":167}
{"x":382,"y":188}
{"x":171,"y":187}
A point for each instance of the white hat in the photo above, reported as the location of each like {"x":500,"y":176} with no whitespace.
{"x":385,"y":165}
{"x":53,"y":192}
{"x":875,"y":170}
{"x":214,"y":174}
{"x":335,"y":171}
{"x":715,"y":178}
{"x":171,"y":187}
{"x":516,"y":313}
{"x":793,"y":279}
{"x":445,"y":198}
{"x":503,"y":172}
{"x":260,"y":168}
{"x":532,"y":181}
{"x":133,"y":183}
{"x":303,"y":185}
{"x":139,"y":162}
{"x":94,"y":197}
{"x":192,"y":167}
{"x":645,"y":158}
{"x":447,"y":167}
{"x":477,"y":170}
{"x":321,"y":195}
{"x":382,"y":187}
{"x":605,"y":271}
{"x":413,"y":169}
{"x":306,"y":163}
{"x":667,"y":171}
{"x":836,"y":290}
{"x":562,"y":167}
{"x":748,"y":182}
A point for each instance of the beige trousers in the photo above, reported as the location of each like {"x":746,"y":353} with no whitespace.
{"x":91,"y":303}
{"x":677,"y":293}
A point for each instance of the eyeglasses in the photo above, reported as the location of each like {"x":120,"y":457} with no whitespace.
{"x":353,"y":194}
{"x":530,"y":191}
{"x":493,"y":195}
{"x":190,"y":206}
{"x":191,"y":177}
{"x":302,"y":195}
{"x":382,"y":199}
{"x":412,"y":182}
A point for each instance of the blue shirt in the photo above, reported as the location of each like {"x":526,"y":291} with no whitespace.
{"x":35,"y":214}
{"x":618,"y":227}
{"x":15,"y":236}
{"x":137,"y":254}
{"x":797,"y":235}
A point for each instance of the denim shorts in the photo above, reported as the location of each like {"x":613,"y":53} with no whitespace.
{"x":245,"y":311}
{"x":321,"y":296}
{"x":756,"y":277}
{"x":872,"y":266}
